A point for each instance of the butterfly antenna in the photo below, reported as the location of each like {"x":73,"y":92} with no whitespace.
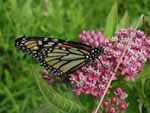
{"x":102,"y":64}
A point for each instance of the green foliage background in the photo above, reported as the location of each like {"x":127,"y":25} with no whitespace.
{"x":21,"y":88}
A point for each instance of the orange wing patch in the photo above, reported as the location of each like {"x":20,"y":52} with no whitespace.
{"x":65,"y":46}
{"x":85,"y":47}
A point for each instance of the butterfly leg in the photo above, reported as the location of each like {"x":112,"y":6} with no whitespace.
{"x":103,"y":65}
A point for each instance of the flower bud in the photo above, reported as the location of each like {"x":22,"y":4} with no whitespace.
{"x":118,"y":91}
{"x":112,"y":110}
{"x":113,"y":99}
{"x":123,"y":105}
{"x":46,"y":76}
{"x":106,"y":103}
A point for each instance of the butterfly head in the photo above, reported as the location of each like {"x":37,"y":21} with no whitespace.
{"x":101,"y":49}
{"x":95,"y":52}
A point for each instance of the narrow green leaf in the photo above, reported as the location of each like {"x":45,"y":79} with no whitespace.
{"x":124,"y":22}
{"x":8,"y":78}
{"x":137,"y":22}
{"x":111,"y":21}
{"x":11,"y":98}
{"x":1,"y":89}
{"x":60,"y":102}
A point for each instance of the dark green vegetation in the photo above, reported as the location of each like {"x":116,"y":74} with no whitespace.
{"x":21,"y":88}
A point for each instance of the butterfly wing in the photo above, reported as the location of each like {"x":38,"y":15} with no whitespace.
{"x":59,"y":57}
{"x":34,"y":45}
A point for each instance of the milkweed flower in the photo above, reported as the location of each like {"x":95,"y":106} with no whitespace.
{"x":137,"y":53}
{"x":123,"y":105}
{"x":115,"y":104}
{"x":106,"y":103}
{"x":93,"y":78}
{"x":120,"y":93}
{"x":46,"y":76}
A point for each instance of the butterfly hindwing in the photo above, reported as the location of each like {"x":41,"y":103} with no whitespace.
{"x":59,"y":57}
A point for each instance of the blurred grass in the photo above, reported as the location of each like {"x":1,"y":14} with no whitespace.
{"x":19,"y":92}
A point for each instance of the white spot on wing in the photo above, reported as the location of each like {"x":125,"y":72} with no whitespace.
{"x":35,"y":47}
{"x":50,"y":44}
{"x":40,"y":42}
{"x":55,"y":40}
{"x":23,"y":41}
{"x":45,"y":39}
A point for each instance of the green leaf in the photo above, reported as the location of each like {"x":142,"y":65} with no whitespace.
{"x":111,"y":21}
{"x":124,"y":22}
{"x":11,"y":98}
{"x":139,"y":92}
{"x":137,"y":22}
{"x":58,"y":102}
{"x":8,"y":78}
{"x":145,"y":71}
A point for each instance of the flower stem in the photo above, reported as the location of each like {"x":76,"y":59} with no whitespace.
{"x":116,"y":68}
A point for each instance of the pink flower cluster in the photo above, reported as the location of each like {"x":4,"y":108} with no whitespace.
{"x":137,"y":53}
{"x":116,"y":104}
{"x":93,"y":77}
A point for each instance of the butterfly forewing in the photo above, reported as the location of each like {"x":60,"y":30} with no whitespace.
{"x":34,"y":45}
{"x":59,"y":57}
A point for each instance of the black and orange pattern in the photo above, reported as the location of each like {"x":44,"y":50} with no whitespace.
{"x":58,"y":56}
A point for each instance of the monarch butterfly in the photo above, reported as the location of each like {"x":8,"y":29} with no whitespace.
{"x":58,"y":56}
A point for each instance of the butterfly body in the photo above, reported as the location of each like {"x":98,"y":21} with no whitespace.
{"x":58,"y":56}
